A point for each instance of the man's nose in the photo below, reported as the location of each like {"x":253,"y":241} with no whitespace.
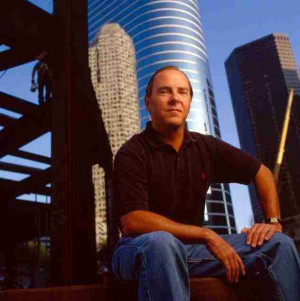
{"x":175,"y":98}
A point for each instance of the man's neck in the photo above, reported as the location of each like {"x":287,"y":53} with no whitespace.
{"x":172,"y":135}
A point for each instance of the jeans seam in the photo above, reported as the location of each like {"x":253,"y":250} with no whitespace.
{"x":199,"y":259}
{"x":144,"y":266}
{"x":277,"y":287}
{"x":242,"y":256}
{"x":272,"y":275}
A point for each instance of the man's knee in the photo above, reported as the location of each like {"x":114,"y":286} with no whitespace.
{"x":162,"y":242}
{"x":281,"y":239}
{"x":281,"y":243}
{"x":161,"y":238}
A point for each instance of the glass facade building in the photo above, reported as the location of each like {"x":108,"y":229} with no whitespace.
{"x":170,"y":33}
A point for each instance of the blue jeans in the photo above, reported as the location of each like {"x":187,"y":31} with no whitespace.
{"x":161,"y":265}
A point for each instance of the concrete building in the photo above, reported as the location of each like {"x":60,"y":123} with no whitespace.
{"x":112,"y":64}
{"x":260,"y":75}
{"x":170,"y":33}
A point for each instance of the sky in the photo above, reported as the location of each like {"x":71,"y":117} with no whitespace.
{"x":226,"y":24}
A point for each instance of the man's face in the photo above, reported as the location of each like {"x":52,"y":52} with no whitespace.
{"x":170,"y":99}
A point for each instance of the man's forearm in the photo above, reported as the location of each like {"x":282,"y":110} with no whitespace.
{"x":140,"y":221}
{"x":267,"y":192}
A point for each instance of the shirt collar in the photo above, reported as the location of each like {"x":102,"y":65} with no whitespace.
{"x":154,"y":137}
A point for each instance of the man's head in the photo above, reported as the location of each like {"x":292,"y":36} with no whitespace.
{"x":168,"y":96}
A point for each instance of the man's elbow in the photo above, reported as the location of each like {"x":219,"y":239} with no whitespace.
{"x":127,"y":224}
{"x":263,"y":172}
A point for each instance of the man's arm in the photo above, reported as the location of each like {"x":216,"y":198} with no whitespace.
{"x":34,"y":70}
{"x":267,"y":193}
{"x":140,"y":221}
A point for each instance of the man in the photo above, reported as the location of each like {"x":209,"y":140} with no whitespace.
{"x":160,"y":181}
{"x":44,"y":78}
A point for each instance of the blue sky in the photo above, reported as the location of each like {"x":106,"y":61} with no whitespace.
{"x":226,"y":24}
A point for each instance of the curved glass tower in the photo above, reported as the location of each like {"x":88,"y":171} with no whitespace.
{"x":170,"y":33}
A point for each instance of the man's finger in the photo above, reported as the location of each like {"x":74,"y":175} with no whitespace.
{"x":250,"y":234}
{"x":270,"y":233}
{"x":241,"y":265}
{"x":227,"y":267}
{"x":263,"y":234}
{"x":255,"y":235}
{"x":232,"y":269}
{"x":245,"y":230}
{"x":236,"y":269}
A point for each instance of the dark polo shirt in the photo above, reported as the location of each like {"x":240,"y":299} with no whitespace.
{"x":151,"y":175}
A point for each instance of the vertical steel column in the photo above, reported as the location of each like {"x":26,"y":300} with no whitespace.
{"x":73,"y":246}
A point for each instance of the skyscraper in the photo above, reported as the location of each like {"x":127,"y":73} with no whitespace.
{"x":260,"y":74}
{"x":170,"y":33}
{"x":112,"y":64}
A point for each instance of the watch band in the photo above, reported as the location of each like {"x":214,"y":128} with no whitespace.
{"x":273,"y":220}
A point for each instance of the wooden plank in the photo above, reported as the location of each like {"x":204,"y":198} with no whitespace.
{"x":74,"y":293}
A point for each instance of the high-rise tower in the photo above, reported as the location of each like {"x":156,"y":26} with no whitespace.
{"x":170,"y":33}
{"x":260,"y":74}
{"x":112,"y":64}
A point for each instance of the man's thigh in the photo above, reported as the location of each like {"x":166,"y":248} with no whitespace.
{"x":202,"y":263}
{"x":149,"y":250}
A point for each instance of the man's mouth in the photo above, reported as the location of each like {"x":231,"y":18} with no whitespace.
{"x":174,"y":110}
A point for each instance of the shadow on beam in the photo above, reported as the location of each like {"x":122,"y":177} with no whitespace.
{"x":25,"y":129}
{"x":23,"y":23}
{"x":16,"y":104}
{"x":34,"y":184}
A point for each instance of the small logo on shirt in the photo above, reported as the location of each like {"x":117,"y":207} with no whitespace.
{"x":203,"y":176}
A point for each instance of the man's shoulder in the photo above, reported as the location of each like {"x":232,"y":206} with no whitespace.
{"x":135,"y":145}
{"x":203,"y":138}
{"x":206,"y":144}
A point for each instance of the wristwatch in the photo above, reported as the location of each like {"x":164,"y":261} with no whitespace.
{"x":273,"y":220}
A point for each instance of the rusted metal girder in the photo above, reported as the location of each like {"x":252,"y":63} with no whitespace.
{"x":25,"y":129}
{"x":26,"y":29}
{"x":79,"y":140}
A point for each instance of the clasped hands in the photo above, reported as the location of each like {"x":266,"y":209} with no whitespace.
{"x":227,"y":255}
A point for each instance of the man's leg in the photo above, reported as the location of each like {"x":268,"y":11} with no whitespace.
{"x":276,"y":259}
{"x":41,"y":92}
{"x":157,"y":262}
{"x":48,"y":86}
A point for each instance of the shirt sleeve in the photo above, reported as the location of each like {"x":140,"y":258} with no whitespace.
{"x":130,"y":183}
{"x":233,"y":165}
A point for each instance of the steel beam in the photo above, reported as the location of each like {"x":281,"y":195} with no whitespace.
{"x":19,"y":168}
{"x":31,"y":156}
{"x":15,"y":104}
{"x":24,"y":130}
{"x":22,"y":22}
{"x":33,"y":184}
{"x":6,"y":120}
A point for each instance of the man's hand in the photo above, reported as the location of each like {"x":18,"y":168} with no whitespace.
{"x":260,"y":233}
{"x":227,"y":255}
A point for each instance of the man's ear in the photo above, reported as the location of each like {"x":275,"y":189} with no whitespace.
{"x":147,"y":104}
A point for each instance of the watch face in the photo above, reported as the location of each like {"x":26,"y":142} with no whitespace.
{"x":274,"y":220}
